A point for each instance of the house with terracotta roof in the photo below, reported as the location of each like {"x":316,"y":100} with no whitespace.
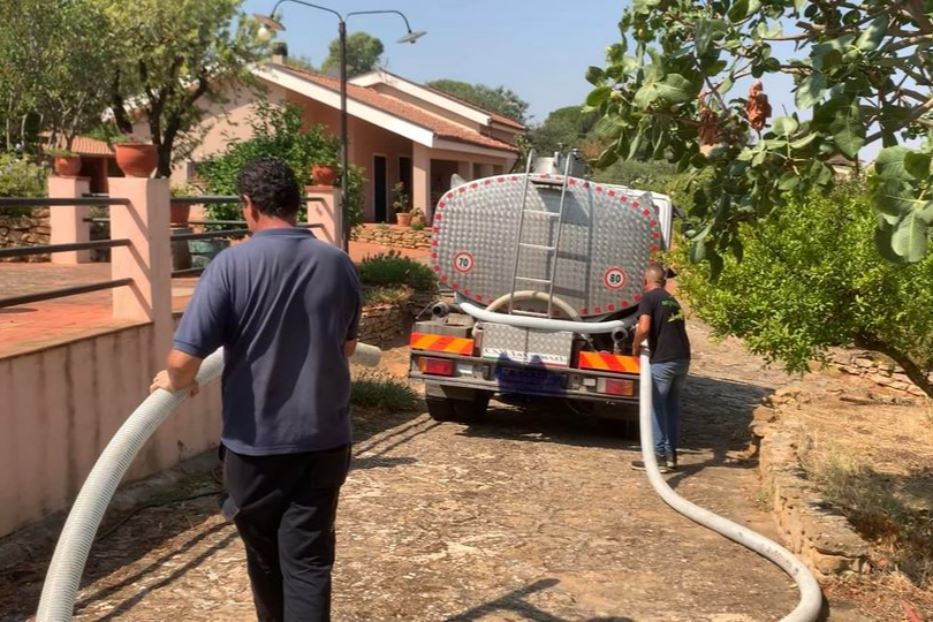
{"x":98,"y":161}
{"x":399,"y":131}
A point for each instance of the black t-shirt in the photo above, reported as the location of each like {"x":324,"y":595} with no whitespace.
{"x":668,"y":335}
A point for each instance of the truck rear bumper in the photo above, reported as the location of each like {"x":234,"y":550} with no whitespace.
{"x":504,"y":377}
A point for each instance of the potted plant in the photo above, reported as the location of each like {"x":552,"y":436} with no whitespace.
{"x":65,"y":163}
{"x":401,"y":205}
{"x":180,"y":212}
{"x":135,"y":158}
{"x":418,"y":219}
{"x":324,"y":172}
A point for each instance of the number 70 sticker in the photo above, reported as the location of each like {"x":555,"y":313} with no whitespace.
{"x":614,"y":278}
{"x":463,"y":262}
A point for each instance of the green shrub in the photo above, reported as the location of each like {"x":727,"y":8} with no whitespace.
{"x":277,"y":131}
{"x":810,"y":279}
{"x":372,"y":390}
{"x":393,"y":269}
{"x":418,"y":225}
{"x":20,"y":177}
{"x":386,"y":295}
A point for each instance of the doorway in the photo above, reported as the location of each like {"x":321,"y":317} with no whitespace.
{"x":380,"y":191}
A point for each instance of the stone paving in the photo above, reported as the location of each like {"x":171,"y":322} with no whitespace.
{"x":532,"y":515}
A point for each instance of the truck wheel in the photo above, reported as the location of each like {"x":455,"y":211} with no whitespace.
{"x":461,"y":409}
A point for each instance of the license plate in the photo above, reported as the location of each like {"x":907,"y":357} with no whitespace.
{"x":516,"y":380}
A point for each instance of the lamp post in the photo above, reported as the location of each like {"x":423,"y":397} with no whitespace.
{"x":269,"y":23}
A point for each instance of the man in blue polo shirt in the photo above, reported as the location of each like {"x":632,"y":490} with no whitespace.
{"x":285,"y":307}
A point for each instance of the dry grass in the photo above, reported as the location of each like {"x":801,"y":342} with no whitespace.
{"x":890,"y":510}
{"x":383,"y":295}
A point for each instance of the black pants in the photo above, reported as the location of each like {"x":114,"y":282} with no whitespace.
{"x":285,"y":507}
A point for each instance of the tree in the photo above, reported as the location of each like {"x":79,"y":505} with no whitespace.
{"x":810,"y":279}
{"x":172,"y":57}
{"x":499,"y":99}
{"x":863,"y":73}
{"x":278,"y":131}
{"x":51,"y":61}
{"x":364,"y":52}
{"x":568,"y":126}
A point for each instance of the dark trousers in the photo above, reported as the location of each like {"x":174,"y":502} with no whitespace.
{"x":285,"y":507}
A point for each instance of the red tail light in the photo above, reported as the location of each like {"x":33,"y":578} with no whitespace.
{"x":436,"y":367}
{"x":615,"y":386}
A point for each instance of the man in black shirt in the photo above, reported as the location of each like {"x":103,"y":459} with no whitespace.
{"x":661,"y":320}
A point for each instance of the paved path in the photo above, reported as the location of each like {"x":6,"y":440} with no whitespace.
{"x":532,"y":515}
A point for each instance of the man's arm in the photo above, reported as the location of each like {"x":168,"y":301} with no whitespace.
{"x":349,"y":347}
{"x":641,"y":333}
{"x":179,"y":373}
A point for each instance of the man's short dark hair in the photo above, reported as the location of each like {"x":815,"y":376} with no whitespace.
{"x":272,"y":185}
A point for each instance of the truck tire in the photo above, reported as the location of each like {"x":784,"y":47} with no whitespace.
{"x":465,"y":406}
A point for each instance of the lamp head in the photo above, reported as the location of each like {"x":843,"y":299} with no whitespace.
{"x":411,"y":37}
{"x":267,"y":26}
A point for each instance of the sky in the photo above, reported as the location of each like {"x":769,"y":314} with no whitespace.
{"x":538,"y":48}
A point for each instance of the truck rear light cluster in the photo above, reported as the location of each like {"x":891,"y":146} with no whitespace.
{"x":436,"y":366}
{"x":616,"y":386}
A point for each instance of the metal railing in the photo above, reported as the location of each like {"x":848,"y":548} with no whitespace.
{"x":102,"y":200}
{"x":42,"y":249}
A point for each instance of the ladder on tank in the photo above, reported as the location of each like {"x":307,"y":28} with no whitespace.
{"x":549,"y":250}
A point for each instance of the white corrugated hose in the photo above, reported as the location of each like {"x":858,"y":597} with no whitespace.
{"x":811,"y":598}
{"x":64,"y":575}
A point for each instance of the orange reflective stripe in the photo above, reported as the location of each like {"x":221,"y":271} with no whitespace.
{"x":442,"y":343}
{"x":609,"y":362}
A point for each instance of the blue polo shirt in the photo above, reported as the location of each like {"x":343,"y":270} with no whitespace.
{"x":282,"y":304}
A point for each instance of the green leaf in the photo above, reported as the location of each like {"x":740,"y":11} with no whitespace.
{"x":598,"y":96}
{"x":785,"y":126}
{"x":890,"y":163}
{"x":909,"y":238}
{"x":594,"y":75}
{"x":883,"y":244}
{"x":849,"y":132}
{"x":607,"y":157}
{"x":697,"y":251}
{"x":674,"y":89}
{"x":788,"y":182}
{"x":726,"y":85}
{"x":810,"y":90}
{"x":738,"y":11}
{"x":872,"y":36}
{"x":804,"y":142}
{"x":715,"y":265}
{"x":893,"y":197}
{"x":918,"y":165}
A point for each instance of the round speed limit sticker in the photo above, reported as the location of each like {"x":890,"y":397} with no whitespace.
{"x":463,"y":262}
{"x":614,"y":278}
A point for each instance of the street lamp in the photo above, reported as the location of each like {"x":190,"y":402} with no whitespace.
{"x":269,"y":23}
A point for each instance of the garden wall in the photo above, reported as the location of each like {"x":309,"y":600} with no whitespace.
{"x":392,"y":235}
{"x":25,"y":229}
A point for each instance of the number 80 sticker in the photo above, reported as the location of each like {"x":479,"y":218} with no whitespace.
{"x":614,"y":278}
{"x":463,"y":262}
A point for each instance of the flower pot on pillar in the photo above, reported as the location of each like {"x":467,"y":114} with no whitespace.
{"x":323,"y":174}
{"x":67,"y":165}
{"x":403,"y":218}
{"x":179,"y":213}
{"x":137,"y":160}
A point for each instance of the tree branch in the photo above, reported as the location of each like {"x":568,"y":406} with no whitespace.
{"x":915,"y":114}
{"x":915,"y":372}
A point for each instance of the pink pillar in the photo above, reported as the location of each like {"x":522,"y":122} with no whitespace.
{"x":68,"y":223}
{"x":421,"y":179}
{"x":465,"y":170}
{"x":148,"y":258}
{"x":324,"y":208}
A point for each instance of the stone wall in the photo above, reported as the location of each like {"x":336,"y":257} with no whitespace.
{"x":812,"y":528}
{"x":381,"y":324}
{"x":392,"y":235}
{"x":875,"y":368}
{"x":24,"y":230}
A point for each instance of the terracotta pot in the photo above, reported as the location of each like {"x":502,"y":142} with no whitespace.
{"x":136,"y":160}
{"x":323,"y":174}
{"x":180,"y":213}
{"x":403,"y":218}
{"x":67,"y":166}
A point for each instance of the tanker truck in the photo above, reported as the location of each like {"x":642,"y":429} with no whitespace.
{"x":545,"y":270}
